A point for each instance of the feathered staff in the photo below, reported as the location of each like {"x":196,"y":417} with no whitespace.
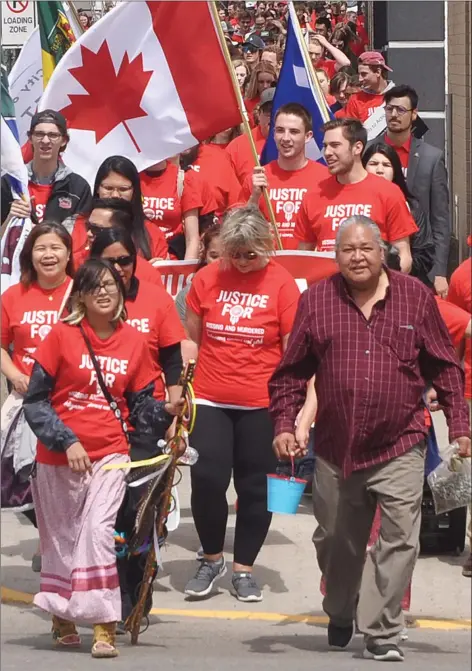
{"x":159,"y":495}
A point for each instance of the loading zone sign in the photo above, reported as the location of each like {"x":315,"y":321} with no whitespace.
{"x":18,"y":22}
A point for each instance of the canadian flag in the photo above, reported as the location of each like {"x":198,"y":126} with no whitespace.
{"x":147,"y":81}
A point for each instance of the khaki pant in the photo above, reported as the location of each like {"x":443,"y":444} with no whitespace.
{"x":344,"y":510}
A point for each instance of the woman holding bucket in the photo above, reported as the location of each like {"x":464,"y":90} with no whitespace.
{"x":240,"y":311}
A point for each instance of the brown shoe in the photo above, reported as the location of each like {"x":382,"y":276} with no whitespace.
{"x":104,"y":640}
{"x":467,"y":568}
{"x":64,"y":633}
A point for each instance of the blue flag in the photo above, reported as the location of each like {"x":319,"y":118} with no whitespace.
{"x":12,"y":161}
{"x":295,"y":86}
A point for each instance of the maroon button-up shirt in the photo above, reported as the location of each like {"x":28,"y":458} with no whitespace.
{"x":370,"y":374}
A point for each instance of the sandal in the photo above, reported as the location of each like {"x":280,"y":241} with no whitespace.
{"x":64,"y":633}
{"x":104,"y":641}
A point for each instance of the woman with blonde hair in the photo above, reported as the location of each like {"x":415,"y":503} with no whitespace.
{"x":240,"y":311}
{"x":92,"y":375}
{"x":263,"y":77}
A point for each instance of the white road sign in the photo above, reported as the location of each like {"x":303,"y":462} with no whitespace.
{"x":18,"y":22}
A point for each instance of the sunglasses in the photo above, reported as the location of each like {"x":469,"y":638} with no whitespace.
{"x":247,"y":256}
{"x":121,"y":261}
{"x":250,"y":50}
{"x":94,"y":229}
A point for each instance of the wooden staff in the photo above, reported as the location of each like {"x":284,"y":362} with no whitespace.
{"x":243,"y":111}
{"x":133,"y":623}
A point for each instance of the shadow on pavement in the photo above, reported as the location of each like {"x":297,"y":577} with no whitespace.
{"x":25,"y":549}
{"x":319,"y":643}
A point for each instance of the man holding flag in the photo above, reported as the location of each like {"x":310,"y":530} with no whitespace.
{"x":298,"y":83}
{"x":291,"y":175}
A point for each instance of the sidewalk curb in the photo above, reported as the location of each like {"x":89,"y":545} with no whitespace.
{"x":11,"y":596}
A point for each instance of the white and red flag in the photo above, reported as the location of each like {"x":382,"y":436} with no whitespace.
{"x":147,"y":81}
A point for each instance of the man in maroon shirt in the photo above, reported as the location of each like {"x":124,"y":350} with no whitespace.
{"x":373,"y":338}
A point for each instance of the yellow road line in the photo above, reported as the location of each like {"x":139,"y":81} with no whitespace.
{"x":14,"y":596}
{"x":426,"y":623}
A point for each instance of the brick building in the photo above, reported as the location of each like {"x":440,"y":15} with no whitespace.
{"x":459,"y":59}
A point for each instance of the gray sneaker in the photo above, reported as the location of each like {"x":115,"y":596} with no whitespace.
{"x":245,"y":587}
{"x":205,"y":577}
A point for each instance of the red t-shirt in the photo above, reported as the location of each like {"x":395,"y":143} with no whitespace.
{"x":403,"y":152}
{"x":81,"y":249}
{"x":41,"y":193}
{"x":455,"y":318}
{"x":209,"y":202}
{"x":361,"y":105}
{"x":460,"y":294}
{"x":460,"y":286}
{"x":162,"y":205}
{"x":28,"y":314}
{"x":244,"y":318}
{"x":286,"y":191}
{"x":330,"y":203}
{"x":214,"y":166}
{"x":329,"y":66}
{"x":154,"y":315}
{"x":250,"y":105}
{"x":240,"y":153}
{"x":77,"y":398}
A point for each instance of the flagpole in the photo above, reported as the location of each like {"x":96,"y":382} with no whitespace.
{"x":308,"y":64}
{"x":74,"y":11}
{"x":244,"y":115}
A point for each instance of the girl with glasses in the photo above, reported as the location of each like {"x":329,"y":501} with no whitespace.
{"x":78,"y":434}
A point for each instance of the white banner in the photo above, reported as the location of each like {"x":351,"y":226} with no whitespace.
{"x":26,"y":83}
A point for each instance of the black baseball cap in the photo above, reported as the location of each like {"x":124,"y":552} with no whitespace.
{"x":254,"y":41}
{"x":49,"y":116}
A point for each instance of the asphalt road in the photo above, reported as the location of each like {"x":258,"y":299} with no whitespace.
{"x":286,"y":630}
{"x":189,"y":644}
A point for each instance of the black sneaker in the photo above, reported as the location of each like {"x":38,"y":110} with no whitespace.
{"x":340,"y":637}
{"x":389,"y":652}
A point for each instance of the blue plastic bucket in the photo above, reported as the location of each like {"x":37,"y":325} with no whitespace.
{"x":284,"y":494}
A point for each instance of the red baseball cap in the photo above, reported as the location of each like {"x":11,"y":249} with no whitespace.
{"x":373,"y":58}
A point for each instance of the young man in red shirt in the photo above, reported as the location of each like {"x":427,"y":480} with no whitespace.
{"x":350,"y":190}
{"x":290,"y":176}
{"x":373,"y":76}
